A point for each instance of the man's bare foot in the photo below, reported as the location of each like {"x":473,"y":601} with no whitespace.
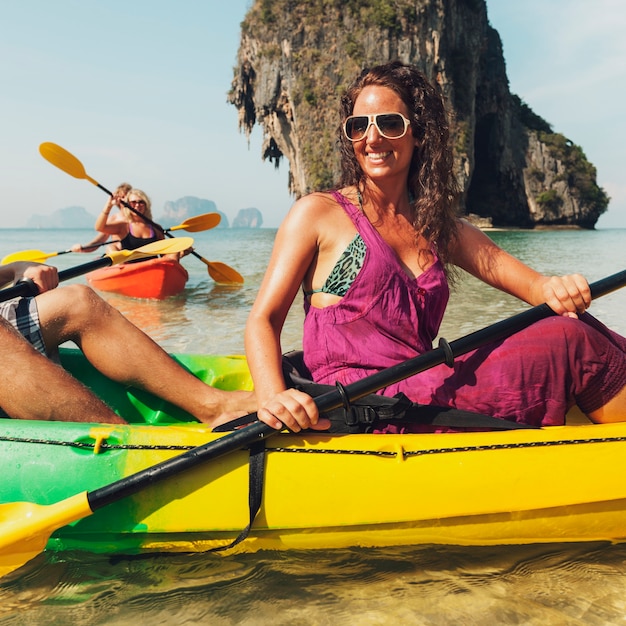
{"x":228,"y":405}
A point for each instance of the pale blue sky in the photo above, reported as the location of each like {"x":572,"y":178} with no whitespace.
{"x":567,"y":60}
{"x":136,"y":89}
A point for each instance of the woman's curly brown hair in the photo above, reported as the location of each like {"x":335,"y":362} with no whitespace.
{"x":433,"y":188}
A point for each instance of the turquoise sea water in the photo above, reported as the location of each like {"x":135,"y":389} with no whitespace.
{"x":552,"y":584}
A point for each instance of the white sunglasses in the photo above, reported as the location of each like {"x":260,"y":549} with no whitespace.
{"x":389,"y":125}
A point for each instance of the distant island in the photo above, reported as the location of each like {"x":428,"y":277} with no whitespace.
{"x":173,"y":213}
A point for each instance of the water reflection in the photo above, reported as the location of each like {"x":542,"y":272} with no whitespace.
{"x":552,"y":584}
{"x":147,"y":314}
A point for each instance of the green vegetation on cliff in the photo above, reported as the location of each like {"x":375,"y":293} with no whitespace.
{"x":581,"y":174}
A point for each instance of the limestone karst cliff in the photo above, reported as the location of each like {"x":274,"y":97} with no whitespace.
{"x":179,"y":210}
{"x":295,"y":58}
{"x":248,"y":218}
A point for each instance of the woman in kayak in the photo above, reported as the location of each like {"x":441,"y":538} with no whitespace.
{"x":129,"y":229}
{"x":128,"y":226}
{"x":375,"y":258}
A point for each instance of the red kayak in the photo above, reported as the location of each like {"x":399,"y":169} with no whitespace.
{"x":154,"y":278}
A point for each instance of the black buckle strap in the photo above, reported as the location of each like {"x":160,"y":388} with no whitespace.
{"x":255,"y":492}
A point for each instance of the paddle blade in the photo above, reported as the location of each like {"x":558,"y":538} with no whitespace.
{"x":38,"y":256}
{"x":199,"y":223}
{"x":224,"y":274}
{"x":62,"y":159}
{"x":163,"y":246}
{"x":26,"y":527}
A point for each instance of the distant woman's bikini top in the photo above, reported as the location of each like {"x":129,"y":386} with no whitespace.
{"x":131,"y":242}
{"x":345,"y":271}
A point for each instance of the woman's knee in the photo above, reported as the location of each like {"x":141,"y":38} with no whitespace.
{"x":613,"y":411}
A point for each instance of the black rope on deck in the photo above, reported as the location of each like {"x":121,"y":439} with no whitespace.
{"x":510,"y":446}
{"x":103,"y":447}
{"x":86,"y":445}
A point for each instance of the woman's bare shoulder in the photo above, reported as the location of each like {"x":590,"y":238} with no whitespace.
{"x":311,"y":208}
{"x":317,"y":198}
{"x":319,"y":203}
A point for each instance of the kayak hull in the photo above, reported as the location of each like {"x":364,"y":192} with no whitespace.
{"x":559,"y":484}
{"x":156,"y":279}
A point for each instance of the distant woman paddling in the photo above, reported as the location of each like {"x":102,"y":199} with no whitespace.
{"x":128,"y":227}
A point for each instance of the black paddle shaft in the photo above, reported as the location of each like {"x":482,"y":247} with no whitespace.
{"x":257,"y":431}
{"x":27,"y":287}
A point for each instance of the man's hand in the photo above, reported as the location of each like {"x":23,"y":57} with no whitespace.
{"x":46,"y":277}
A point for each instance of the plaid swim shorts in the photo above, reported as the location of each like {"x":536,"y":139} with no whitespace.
{"x":22,"y":314}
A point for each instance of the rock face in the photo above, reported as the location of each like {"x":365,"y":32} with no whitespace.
{"x":295,"y":58}
{"x":248,"y":218}
{"x":176,"y":212}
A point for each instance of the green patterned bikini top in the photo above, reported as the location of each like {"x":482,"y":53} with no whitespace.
{"x":345,"y":270}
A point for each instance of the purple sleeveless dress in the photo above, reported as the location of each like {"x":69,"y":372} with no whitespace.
{"x":386,"y":317}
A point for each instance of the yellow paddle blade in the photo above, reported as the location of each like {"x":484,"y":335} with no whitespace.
{"x":224,"y":274}
{"x":199,"y":223}
{"x":164,"y":246}
{"x":220,"y":272}
{"x":38,"y":256}
{"x":64,"y":160}
{"x":26,"y":527}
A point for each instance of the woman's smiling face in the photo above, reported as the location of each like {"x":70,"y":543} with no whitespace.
{"x":377,"y":155}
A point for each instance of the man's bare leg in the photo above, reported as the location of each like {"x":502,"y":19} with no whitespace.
{"x":122,"y":352}
{"x":33,"y":387}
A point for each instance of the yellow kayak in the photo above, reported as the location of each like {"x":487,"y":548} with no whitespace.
{"x":318,"y":491}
